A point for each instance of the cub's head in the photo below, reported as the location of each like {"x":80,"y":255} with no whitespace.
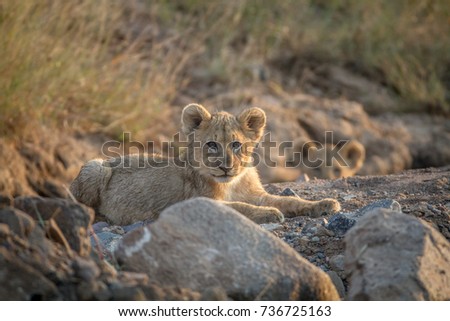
{"x":221,"y":144}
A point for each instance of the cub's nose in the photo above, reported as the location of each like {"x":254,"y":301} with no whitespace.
{"x":225,"y":169}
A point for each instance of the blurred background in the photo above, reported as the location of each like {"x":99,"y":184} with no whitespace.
{"x":74,"y":74}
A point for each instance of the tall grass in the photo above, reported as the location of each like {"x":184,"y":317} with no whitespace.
{"x":110,"y":65}
{"x":61,"y":64}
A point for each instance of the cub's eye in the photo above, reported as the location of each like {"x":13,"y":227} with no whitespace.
{"x":212,"y":147}
{"x":236,"y":146}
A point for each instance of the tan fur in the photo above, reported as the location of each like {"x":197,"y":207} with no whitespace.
{"x":125,"y":194}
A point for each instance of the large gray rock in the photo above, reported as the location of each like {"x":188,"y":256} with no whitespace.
{"x":393,"y":256}
{"x":201,"y":244}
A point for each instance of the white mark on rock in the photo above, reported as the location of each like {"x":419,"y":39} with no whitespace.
{"x":139,"y":244}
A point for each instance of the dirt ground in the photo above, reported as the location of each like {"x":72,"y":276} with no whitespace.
{"x":423,"y":193}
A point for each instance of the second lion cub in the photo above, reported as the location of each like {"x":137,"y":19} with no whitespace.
{"x":126,"y":194}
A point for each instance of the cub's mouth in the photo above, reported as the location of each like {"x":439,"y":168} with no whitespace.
{"x":223,"y":178}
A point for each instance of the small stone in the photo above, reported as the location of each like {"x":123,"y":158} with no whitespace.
{"x":315,"y":239}
{"x":433,"y":209}
{"x":310,"y":228}
{"x":99,"y":226}
{"x":288,"y":192}
{"x":117,"y":230}
{"x":349,"y":197}
{"x":337,"y":263}
{"x":384,"y":203}
{"x":340,"y":223}
{"x":271,"y":226}
{"x":292,"y":235}
{"x":108,"y":241}
{"x":313,"y":230}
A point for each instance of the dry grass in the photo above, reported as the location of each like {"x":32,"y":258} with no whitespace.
{"x":403,"y":44}
{"x":62,"y":65}
{"x":110,"y":65}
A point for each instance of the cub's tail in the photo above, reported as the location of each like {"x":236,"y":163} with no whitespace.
{"x":93,"y":177}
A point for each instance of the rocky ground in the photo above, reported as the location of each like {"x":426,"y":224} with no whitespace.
{"x":52,"y":249}
{"x":423,"y":194}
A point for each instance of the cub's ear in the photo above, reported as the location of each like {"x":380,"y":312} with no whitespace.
{"x":354,"y":153}
{"x":192,"y":116}
{"x":253,"y":121}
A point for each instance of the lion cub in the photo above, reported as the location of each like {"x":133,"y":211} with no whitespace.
{"x":216,"y":164}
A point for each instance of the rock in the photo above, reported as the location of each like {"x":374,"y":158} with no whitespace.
{"x":392,"y":256}
{"x":288,"y":192}
{"x":310,"y":228}
{"x":17,"y":221}
{"x":340,"y":223}
{"x":337,"y":263}
{"x":23,"y":282}
{"x":23,"y":268}
{"x":98,"y":227}
{"x":106,"y":241}
{"x":72,"y":218}
{"x":85,"y":269}
{"x":349,"y":197}
{"x":384,"y":203}
{"x":55,"y":234}
{"x":315,"y":227}
{"x":35,"y":264}
{"x":219,"y":248}
{"x":271,"y":226}
{"x":315,"y":239}
{"x":337,"y":281}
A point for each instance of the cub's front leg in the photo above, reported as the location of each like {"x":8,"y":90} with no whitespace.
{"x":258,"y":214}
{"x":292,"y":206}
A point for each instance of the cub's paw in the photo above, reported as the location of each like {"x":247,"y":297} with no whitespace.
{"x":325,"y":207}
{"x":269,"y":215}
